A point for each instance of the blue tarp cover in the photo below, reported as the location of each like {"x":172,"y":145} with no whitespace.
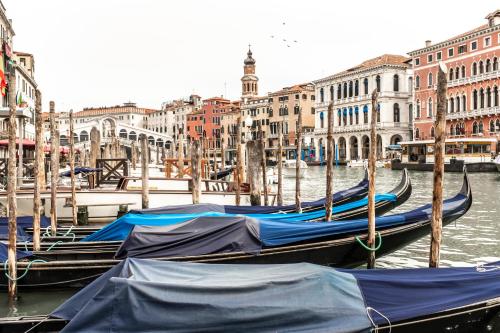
{"x":148,"y":295}
{"x":22,"y":223}
{"x":4,"y":256}
{"x":119,"y":229}
{"x":181,"y":239}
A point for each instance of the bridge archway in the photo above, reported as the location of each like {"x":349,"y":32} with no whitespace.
{"x":84,"y":136}
{"x":151,"y":140}
{"x":108,"y":127}
{"x":123,"y":133}
{"x":132,"y":136}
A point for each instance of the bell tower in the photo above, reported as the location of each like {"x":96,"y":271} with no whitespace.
{"x":249,"y":81}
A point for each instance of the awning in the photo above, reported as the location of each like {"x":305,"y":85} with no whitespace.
{"x":350,"y":111}
{"x":356,"y":110}
{"x":26,"y":143}
{"x":365,"y":109}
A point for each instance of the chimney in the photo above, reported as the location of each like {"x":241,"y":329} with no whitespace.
{"x":428,"y":43}
{"x":493,"y":18}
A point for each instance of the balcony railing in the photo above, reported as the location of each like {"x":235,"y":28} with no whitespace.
{"x":363,"y":127}
{"x":491,"y":111}
{"x":475,"y":78}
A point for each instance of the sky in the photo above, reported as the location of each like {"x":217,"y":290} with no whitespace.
{"x":91,"y":53}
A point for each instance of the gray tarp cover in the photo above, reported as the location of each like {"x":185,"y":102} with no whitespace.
{"x":140,"y":295}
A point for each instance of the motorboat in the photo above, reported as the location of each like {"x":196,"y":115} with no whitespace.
{"x":290,"y":168}
{"x":497,"y":162}
{"x":364,"y":164}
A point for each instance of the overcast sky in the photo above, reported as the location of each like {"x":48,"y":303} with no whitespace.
{"x":106,"y":52}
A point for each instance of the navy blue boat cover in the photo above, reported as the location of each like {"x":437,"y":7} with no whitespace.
{"x":22,"y":223}
{"x":4,"y":256}
{"x":221,"y":234}
{"x":353,"y":193}
{"x":147,"y":295}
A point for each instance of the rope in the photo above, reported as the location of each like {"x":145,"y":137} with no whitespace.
{"x":25,"y":271}
{"x":53,"y":245}
{"x":483,"y":268}
{"x":368,"y":248}
{"x":37,"y":324}
{"x":368,"y":309}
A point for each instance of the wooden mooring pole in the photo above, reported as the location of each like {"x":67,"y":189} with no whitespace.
{"x":298,"y":206}
{"x":437,"y":192}
{"x":180,"y":155}
{"x":263,"y":165}
{"x":11,"y":190}
{"x":95,"y":153}
{"x":239,"y":165}
{"x":39,"y":173}
{"x":329,"y":165}
{"x":196,"y":171}
{"x":145,"y":171}
{"x":133,"y":155}
{"x":253,"y":174}
{"x":372,"y":157}
{"x":54,"y":168}
{"x":279,"y":195}
{"x":72,"y":168}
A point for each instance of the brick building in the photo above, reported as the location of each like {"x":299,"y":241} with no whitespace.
{"x":473,"y":108}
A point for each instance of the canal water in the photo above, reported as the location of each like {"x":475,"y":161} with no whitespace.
{"x":473,"y":239}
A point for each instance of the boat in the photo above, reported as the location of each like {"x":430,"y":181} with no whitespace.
{"x":241,"y":239}
{"x":290,"y":168}
{"x":258,"y":298}
{"x":497,"y":162}
{"x":364,"y":164}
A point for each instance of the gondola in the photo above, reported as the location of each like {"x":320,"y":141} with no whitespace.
{"x":273,"y":298}
{"x":231,"y":241}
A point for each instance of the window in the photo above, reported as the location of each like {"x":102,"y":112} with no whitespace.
{"x":429,"y":108}
{"x":377,"y":82}
{"x":432,"y":132}
{"x":429,"y":58}
{"x":417,"y":133}
{"x":356,"y":88}
{"x":418,"y":109}
{"x":417,"y":82}
{"x":296,"y":109}
{"x":365,"y":84}
{"x":463,"y":71}
{"x":450,"y":52}
{"x":417,"y":61}
{"x":474,"y":100}
{"x":331,"y":93}
{"x":297,"y":96}
{"x":429,"y":80}
{"x":451,"y":74}
{"x":351,"y":89}
{"x":321,"y":95}
{"x":339,"y":91}
{"x":396,"y":113}
{"x":473,"y":45}
{"x":487,"y":41}
{"x":439,"y":55}
{"x":474,"y":69}
{"x":462,"y":49}
{"x":345,"y":90}
{"x":396,"y":82}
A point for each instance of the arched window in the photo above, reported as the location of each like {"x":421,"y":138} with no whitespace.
{"x":417,"y":133}
{"x":474,"y":100}
{"x":457,"y":104}
{"x":429,"y":80}
{"x":457,"y":73}
{"x":339,"y":91}
{"x":396,"y":113}
{"x":497,"y":125}
{"x":488,"y":97}
{"x":321,"y":95}
{"x":488,"y":66}
{"x":356,"y":88}
{"x":322,"y":120}
{"x":429,"y":107}
{"x":432,"y":132}
{"x":481,"y":67}
{"x":410,"y":84}
{"x":481,"y":98}
{"x":377,"y":83}
{"x":378,"y":113}
{"x":351,"y":91}
{"x":451,"y":74}
{"x":365,"y":84}
{"x":452,"y":104}
{"x":418,"y":109}
{"x":495,"y":64}
{"x":339,"y":114}
{"x":365,"y":114}
{"x":331,"y":93}
{"x":474,"y":128}
{"x":495,"y":96}
{"x":480,"y":127}
{"x":395,"y":82}
{"x":492,"y":126}
{"x":464,"y":103}
{"x":452,"y":130}
{"x":463,"y":71}
{"x":474,"y":69}
{"x":345,"y":90}
{"x":417,"y":81}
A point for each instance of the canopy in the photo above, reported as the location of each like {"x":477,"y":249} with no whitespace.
{"x":22,"y":223}
{"x":26,"y":142}
{"x":119,"y":229}
{"x":149,"y":295}
{"x":211,"y":229}
{"x":4,"y":251}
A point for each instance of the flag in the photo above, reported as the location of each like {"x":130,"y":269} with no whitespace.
{"x":3,"y":81}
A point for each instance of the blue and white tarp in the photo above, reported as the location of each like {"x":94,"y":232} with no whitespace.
{"x":120,"y":229}
{"x":152,"y":296}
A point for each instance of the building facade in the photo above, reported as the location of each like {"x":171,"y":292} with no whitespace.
{"x":350,"y":92}
{"x":472,"y":59}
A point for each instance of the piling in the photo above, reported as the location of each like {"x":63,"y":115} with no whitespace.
{"x":196,"y":171}
{"x":72,"y":168}
{"x":54,"y":168}
{"x":239,"y":166}
{"x":298,"y":206}
{"x":263,"y":165}
{"x":254,"y":164}
{"x":95,"y":152}
{"x":133,"y":155}
{"x":180,"y":160}
{"x":329,"y":165}
{"x":11,"y":190}
{"x":222,"y":155}
{"x":372,"y":157}
{"x":439,"y":145}
{"x":279,"y":195}
{"x":39,"y":173}
{"x":145,"y":171}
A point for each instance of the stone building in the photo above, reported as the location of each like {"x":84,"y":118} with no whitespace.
{"x":350,"y":92}
{"x":472,"y":59}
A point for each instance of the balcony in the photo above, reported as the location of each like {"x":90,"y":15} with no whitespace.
{"x":491,"y":111}
{"x":475,"y":79}
{"x":363,"y":128}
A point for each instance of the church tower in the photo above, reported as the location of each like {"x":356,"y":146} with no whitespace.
{"x":249,"y":86}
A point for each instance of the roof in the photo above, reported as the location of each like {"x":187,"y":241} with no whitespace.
{"x":385,"y":59}
{"x":294,"y":88}
{"x":24,"y":54}
{"x":112,"y":109}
